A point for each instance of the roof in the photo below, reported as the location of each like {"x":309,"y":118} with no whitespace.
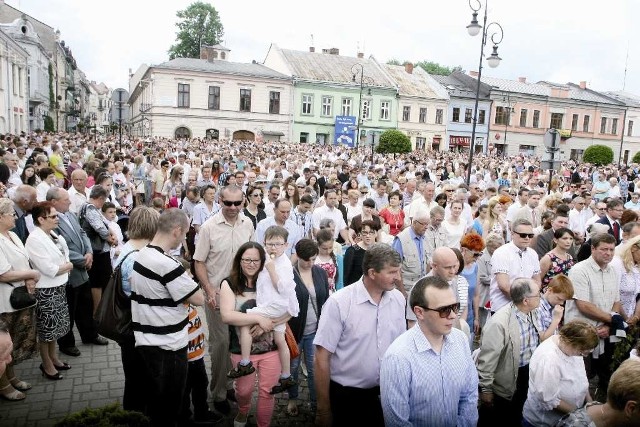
{"x":222,"y":67}
{"x":462,"y":86}
{"x":325,"y":67}
{"x":517,"y":86}
{"x":418,"y":83}
{"x":630,"y":99}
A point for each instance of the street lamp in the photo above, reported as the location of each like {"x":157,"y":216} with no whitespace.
{"x":356,"y":69}
{"x":474,"y":28}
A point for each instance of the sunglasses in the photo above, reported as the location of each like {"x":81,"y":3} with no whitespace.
{"x":524,"y":235}
{"x":445,"y":311}
{"x":234,"y":203}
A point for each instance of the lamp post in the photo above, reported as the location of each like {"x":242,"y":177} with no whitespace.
{"x":356,"y":69}
{"x":507,"y":123}
{"x":493,"y":60}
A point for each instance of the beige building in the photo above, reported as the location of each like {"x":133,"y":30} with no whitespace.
{"x":14,"y":99}
{"x":210,"y":97}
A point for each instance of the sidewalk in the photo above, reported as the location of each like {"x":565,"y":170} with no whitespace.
{"x":96,"y":379}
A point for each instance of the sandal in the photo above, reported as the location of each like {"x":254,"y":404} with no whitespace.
{"x":283,"y":384}
{"x":292,"y":409}
{"x":13,"y":396}
{"x":20,"y":385}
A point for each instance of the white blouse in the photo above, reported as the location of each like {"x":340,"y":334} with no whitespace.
{"x":553,"y":376}
{"x":47,"y":256}
{"x":13,"y":257}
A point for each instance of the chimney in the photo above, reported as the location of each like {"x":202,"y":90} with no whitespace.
{"x":522,"y":79}
{"x":583,"y":84}
{"x":473,"y":73}
{"x":312,"y":49}
{"x":360,"y":55}
{"x":334,"y":51}
{"x":408,"y":67}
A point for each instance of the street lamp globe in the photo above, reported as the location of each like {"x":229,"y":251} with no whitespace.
{"x":474,"y":28}
{"x":494,"y":59}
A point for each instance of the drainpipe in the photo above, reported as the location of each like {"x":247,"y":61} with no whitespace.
{"x":624,"y":126}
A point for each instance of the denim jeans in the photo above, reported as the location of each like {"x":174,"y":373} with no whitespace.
{"x":308,"y":350}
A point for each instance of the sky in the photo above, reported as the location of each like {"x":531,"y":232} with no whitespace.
{"x":554,"y":40}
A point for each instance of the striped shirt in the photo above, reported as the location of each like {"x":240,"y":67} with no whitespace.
{"x":159,"y":288}
{"x":529,"y":337}
{"x":422,"y":387}
{"x":195,"y":348}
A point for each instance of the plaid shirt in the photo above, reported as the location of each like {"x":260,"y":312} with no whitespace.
{"x":304,"y":221}
{"x":529,"y":337}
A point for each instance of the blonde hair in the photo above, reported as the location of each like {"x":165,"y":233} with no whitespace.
{"x":627,"y":256}
{"x":624,"y":384}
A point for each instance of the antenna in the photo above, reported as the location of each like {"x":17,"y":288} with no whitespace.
{"x":311,"y":39}
{"x":626,"y":65}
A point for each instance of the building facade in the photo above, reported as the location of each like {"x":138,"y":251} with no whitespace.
{"x":630,"y":138}
{"x":329,"y":88}
{"x":14,"y":94}
{"x":210,"y":97}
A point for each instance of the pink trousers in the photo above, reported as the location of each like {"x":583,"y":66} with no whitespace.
{"x":268,"y":371}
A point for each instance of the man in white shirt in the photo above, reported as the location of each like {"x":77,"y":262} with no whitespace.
{"x":424,"y":202}
{"x":78,"y":192}
{"x":634,"y":203}
{"x":330,"y":210}
{"x":578,"y":216}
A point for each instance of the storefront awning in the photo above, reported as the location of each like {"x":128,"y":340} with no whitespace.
{"x":461,"y":141}
{"x":272,"y":132}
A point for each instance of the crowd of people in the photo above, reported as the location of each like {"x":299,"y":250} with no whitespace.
{"x":418,"y":289}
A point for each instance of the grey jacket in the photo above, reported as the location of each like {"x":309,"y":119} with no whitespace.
{"x":79,"y":245}
{"x":93,"y":224}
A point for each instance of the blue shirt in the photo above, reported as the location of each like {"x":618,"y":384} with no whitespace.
{"x":419,"y":387}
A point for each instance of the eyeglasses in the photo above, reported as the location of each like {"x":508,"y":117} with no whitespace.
{"x":52,"y":216}
{"x":524,"y":235}
{"x":274,"y":245}
{"x":250,"y":261}
{"x":256,"y":195}
{"x":538,"y":295}
{"x":424,"y":224}
{"x":300,"y":186}
{"x":364,"y":193}
{"x":368,"y":233}
{"x":477,"y":254}
{"x":445,"y":311}
{"x":232,"y":203}
{"x":13,"y":214}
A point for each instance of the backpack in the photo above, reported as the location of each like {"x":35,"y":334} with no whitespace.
{"x":113,"y":315}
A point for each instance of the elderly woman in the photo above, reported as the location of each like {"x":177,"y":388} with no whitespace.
{"x":49,"y":255}
{"x":237,"y":294}
{"x":312,"y":290}
{"x":93,"y":223}
{"x":15,"y":272}
{"x":626,"y":263}
{"x":143,"y":223}
{"x":558,"y":381}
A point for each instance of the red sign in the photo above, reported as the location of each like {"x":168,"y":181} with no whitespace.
{"x":15,"y":109}
{"x":463,"y":141}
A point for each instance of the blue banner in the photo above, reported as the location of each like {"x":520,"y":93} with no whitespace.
{"x":345,"y":133}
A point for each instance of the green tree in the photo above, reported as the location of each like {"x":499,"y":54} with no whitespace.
{"x":394,"y":62}
{"x":636,"y":158}
{"x":199,"y":24}
{"x":598,"y":155}
{"x":48,"y":124}
{"x":438,"y":69}
{"x":393,"y":141}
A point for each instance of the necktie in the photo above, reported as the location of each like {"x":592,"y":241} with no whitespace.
{"x":534,"y":220}
{"x":616,"y":230}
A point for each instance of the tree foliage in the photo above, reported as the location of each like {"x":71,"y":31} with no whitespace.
{"x":48,"y":124}
{"x":598,"y":155}
{"x":394,"y":62}
{"x":429,"y":66}
{"x":393,"y":141}
{"x":636,"y":158}
{"x":199,"y":24}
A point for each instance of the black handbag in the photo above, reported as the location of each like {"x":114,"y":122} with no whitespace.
{"x":113,"y":315}
{"x":21,"y":298}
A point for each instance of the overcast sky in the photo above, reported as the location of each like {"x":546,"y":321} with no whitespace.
{"x":554,"y":40}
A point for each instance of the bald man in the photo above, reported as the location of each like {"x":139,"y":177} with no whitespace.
{"x":78,"y":193}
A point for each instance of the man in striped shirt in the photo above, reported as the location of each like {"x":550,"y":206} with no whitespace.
{"x":160,"y":291}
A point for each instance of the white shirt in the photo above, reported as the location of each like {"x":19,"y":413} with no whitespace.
{"x":578,"y":219}
{"x":281,"y":296}
{"x":332,"y":213}
{"x":515,"y":263}
{"x":77,"y":199}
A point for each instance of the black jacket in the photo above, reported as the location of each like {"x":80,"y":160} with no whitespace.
{"x":321,"y":285}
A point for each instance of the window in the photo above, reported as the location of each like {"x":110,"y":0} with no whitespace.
{"x":420,"y":143}
{"x":574,"y":122}
{"x":346,"y":106}
{"x":183,"y":95}
{"x":468,"y":112}
{"x":528,"y":150}
{"x":576,"y":154}
{"x":422,"y":117}
{"x":327,"y":105}
{"x":307,"y":102}
{"x":502,"y":116}
{"x":384,"y":110}
{"x":556,"y":121}
{"x":630,"y":128}
{"x":439,"y":112}
{"x":304,"y":137}
{"x":585,"y":123}
{"x":536,"y":118}
{"x":481,"y":116}
{"x":614,"y":126}
{"x":366,"y":109}
{"x":245,"y":99}
{"x":523,"y":117}
{"x":274,"y":102}
{"x":406,"y":113}
{"x":456,"y":115}
{"x":214,"y":97}
{"x":603,"y":125}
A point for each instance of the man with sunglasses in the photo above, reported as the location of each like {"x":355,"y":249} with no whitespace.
{"x":219,"y":239}
{"x":413,"y":389}
{"x":511,"y":261}
{"x":508,"y":341}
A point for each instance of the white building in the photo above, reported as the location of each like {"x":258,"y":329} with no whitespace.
{"x":630,"y":139}
{"x":210,"y":97}
{"x":14,"y":99}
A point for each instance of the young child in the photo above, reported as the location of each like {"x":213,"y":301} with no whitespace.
{"x":111,"y":218}
{"x":197,"y":380}
{"x":326,"y":258}
{"x":551,"y":308}
{"x":276,"y":297}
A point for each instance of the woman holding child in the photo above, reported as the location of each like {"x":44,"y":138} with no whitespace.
{"x":237,"y":295}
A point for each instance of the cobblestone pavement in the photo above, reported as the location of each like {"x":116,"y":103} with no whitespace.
{"x":96,"y":379}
